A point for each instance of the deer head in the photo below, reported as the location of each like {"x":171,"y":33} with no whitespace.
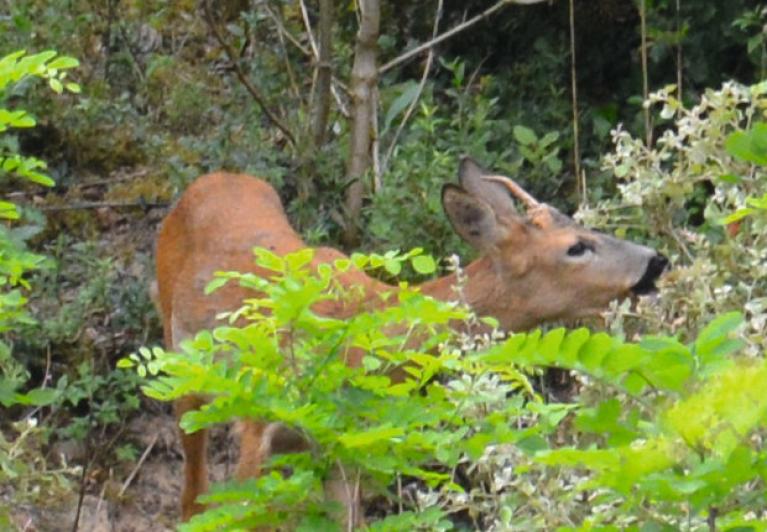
{"x":539,"y":266}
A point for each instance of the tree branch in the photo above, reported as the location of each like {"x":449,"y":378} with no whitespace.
{"x":324,"y":73}
{"x":580,"y":180}
{"x":421,"y":85}
{"x":334,"y":87}
{"x":104,"y":204}
{"x":244,"y":79}
{"x":453,"y":32}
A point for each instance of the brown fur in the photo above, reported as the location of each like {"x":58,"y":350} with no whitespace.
{"x":523,"y":277}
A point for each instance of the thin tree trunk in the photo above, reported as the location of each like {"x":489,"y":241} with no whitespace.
{"x":363,"y":85}
{"x":324,"y":73}
{"x":645,"y":74}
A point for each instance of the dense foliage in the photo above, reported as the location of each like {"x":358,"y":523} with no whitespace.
{"x":665,"y":428}
{"x":20,"y":462}
{"x":161,"y":103}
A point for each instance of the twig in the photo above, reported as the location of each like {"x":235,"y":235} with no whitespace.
{"x":105,"y":204}
{"x":288,"y":66}
{"x":679,"y":65}
{"x":375,"y":147}
{"x":289,"y":36}
{"x":138,"y":466}
{"x":308,"y":25}
{"x":45,"y":380}
{"x":451,"y":33}
{"x":335,"y":86}
{"x":101,"y":496}
{"x":134,"y":59}
{"x":421,"y":85}
{"x":254,"y":92}
{"x":645,"y":81}
{"x":580,"y":180}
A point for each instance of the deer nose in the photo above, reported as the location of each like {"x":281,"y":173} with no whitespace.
{"x":655,"y":267}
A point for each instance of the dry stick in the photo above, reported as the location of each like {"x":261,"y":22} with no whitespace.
{"x":254,"y":92}
{"x":104,"y":204}
{"x":645,"y":82}
{"x":138,"y":466}
{"x":95,"y":455}
{"x":336,"y":82}
{"x":450,"y":33}
{"x":375,"y":147}
{"x":313,"y":44}
{"x":307,"y":24}
{"x":580,"y":180}
{"x":288,"y":67}
{"x":679,"y":49}
{"x":421,"y":85}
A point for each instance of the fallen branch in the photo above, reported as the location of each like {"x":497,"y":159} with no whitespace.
{"x":244,"y":79}
{"x":104,"y":204}
{"x":140,"y":462}
{"x":452,"y":32}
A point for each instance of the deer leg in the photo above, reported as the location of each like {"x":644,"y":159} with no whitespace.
{"x":195,"y":460}
{"x":254,"y":449}
{"x":343,"y":487}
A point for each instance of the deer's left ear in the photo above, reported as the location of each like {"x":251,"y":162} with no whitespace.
{"x":472,"y":218}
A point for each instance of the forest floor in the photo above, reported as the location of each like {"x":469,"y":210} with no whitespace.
{"x":141,"y":495}
{"x":142,"y":499}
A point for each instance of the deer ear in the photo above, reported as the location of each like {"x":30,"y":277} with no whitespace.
{"x":472,"y":218}
{"x":471,"y":176}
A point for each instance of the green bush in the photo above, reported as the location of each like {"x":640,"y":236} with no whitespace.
{"x":659,"y":421}
{"x":288,"y":365}
{"x":21,"y":464}
{"x":697,"y":195}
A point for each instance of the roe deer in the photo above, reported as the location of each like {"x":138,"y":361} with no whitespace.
{"x":532,"y":268}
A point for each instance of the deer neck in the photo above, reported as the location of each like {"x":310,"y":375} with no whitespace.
{"x":485,"y":292}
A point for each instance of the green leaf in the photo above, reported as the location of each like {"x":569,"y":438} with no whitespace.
{"x":525,"y":135}
{"x":353,"y":440}
{"x":125,"y":363}
{"x":269,"y":260}
{"x":215,"y":284}
{"x":401,"y":103}
{"x":63,"y":63}
{"x":715,"y":341}
{"x":56,"y":85}
{"x":298,"y":260}
{"x":423,"y":264}
{"x":594,"y":350}
{"x":8,"y":210}
{"x":393,"y":266}
{"x":735,"y":216}
{"x":40,"y":397}
{"x":749,"y":146}
{"x":571,"y":345}
{"x":549,"y":138}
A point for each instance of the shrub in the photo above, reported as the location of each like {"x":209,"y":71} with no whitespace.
{"x":287,"y":365}
{"x":21,"y":465}
{"x":698,"y":192}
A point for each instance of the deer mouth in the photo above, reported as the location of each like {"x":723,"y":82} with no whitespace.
{"x":655,"y":268}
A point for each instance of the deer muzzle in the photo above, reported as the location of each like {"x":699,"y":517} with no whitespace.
{"x":655,"y":267}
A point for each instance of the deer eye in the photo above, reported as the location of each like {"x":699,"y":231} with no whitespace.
{"x":579,"y":248}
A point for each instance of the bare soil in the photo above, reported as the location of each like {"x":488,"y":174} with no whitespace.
{"x":143,"y":499}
